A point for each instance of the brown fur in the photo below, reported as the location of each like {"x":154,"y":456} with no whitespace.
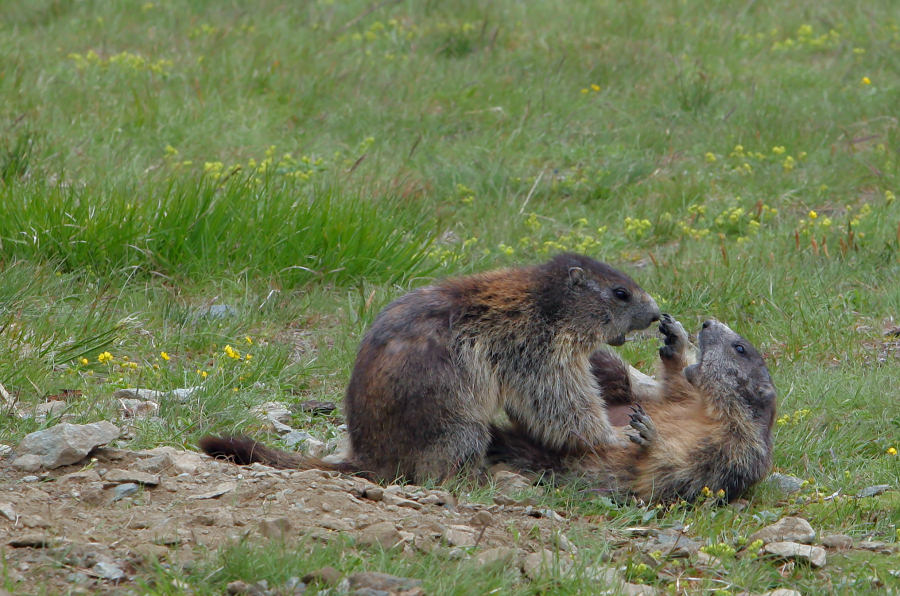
{"x":440,"y":362}
{"x":709,"y":426}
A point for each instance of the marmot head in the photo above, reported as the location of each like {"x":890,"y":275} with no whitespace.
{"x":594,"y":300}
{"x":730,"y":366}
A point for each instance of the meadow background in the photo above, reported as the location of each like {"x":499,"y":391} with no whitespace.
{"x":305,"y":163}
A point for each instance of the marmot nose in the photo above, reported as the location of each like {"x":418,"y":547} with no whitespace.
{"x":707,"y":323}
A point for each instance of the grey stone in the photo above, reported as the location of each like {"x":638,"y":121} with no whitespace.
{"x":117,"y":476}
{"x":815,"y":555}
{"x":785,"y":483}
{"x":873,"y":491}
{"x":782,"y":592}
{"x":80,"y":476}
{"x":5,"y":450}
{"x":30,"y":541}
{"x":493,"y":555}
{"x":383,"y":534}
{"x":217,"y":311}
{"x":30,"y":479}
{"x":27,"y":463}
{"x":510,"y":483}
{"x":878,"y":547}
{"x":136,"y":408}
{"x":374,"y":493}
{"x":326,"y":575}
{"x":837,"y":541}
{"x":383,"y":582}
{"x":671,"y":544}
{"x":462,"y":536}
{"x":277,"y":528}
{"x":543,"y":561}
{"x":155,"y":464}
{"x":124,"y":490}
{"x":66,"y":443}
{"x":152,"y":395}
{"x":790,"y":529}
{"x":221,"y":489}
{"x":7,"y":511}
{"x":108,"y":571}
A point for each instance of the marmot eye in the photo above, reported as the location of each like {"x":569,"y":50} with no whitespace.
{"x":739,"y":348}
{"x":621,"y":294}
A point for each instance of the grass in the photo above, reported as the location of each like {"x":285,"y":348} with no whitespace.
{"x":306,"y":164}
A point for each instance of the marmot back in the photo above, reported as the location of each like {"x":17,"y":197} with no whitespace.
{"x":709,"y":426}
{"x":440,"y":362}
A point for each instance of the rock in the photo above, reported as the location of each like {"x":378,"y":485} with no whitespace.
{"x":27,"y":463}
{"x":873,"y":491}
{"x":790,"y":529}
{"x":383,"y":582}
{"x":108,"y":571}
{"x":815,"y":555}
{"x":221,"y":489}
{"x":30,"y":541}
{"x":510,"y":483}
{"x":438,"y":497}
{"x":785,"y":483}
{"x":326,"y":575}
{"x":782,"y":592}
{"x":33,"y":521}
{"x":216,"y":312}
{"x":392,"y":499}
{"x":314,"y":406}
{"x":237,"y":587}
{"x":304,"y":441}
{"x":45,"y":410}
{"x":152,"y":395}
{"x":151,"y":552}
{"x":7,"y":511}
{"x":837,"y":541}
{"x":493,"y":555}
{"x":383,"y":534}
{"x":80,"y":476}
{"x":878,"y":547}
{"x":536,"y":564}
{"x":155,"y":464}
{"x":124,"y":490}
{"x":136,"y":408}
{"x":481,"y":519}
{"x":66,"y":443}
{"x":462,"y":536}
{"x":5,"y":450}
{"x":671,"y":544}
{"x":374,"y":493}
{"x":277,"y":528}
{"x":276,"y":414}
{"x":117,"y":476}
{"x":30,"y":479}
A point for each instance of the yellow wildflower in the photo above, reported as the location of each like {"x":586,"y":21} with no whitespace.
{"x":892,"y":451}
{"x":84,"y":361}
{"x":866,"y":81}
{"x":813,"y":214}
{"x":710,"y":157}
{"x":164,"y":355}
{"x":778,"y":149}
{"x":104,"y":357}
{"x":595,"y":88}
{"x":232,"y":353}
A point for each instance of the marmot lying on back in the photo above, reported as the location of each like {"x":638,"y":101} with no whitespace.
{"x":710,"y":425}
{"x":440,"y":362}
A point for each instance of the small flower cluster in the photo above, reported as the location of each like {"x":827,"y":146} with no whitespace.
{"x":807,"y":39}
{"x":793,"y":419}
{"x":122,"y":60}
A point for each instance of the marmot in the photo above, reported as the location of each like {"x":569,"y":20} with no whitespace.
{"x":710,"y":425}
{"x":440,"y":362}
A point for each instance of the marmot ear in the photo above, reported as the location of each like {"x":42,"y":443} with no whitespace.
{"x":576,"y":275}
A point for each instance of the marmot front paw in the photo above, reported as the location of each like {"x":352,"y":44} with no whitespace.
{"x":674,"y":336}
{"x":641,"y":428}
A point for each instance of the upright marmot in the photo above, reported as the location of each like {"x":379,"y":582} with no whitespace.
{"x":709,"y":425}
{"x":440,"y":362}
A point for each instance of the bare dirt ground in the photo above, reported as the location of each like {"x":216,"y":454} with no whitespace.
{"x":88,"y":528}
